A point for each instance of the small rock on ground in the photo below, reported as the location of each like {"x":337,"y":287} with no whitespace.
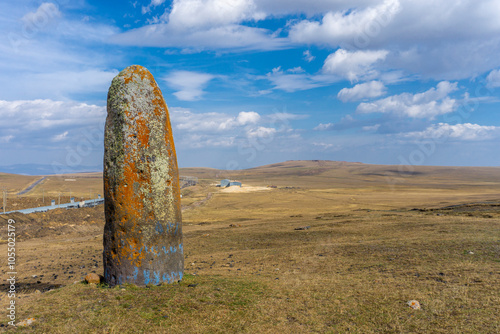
{"x":26,"y":322}
{"x":414,"y":304}
{"x":93,"y":278}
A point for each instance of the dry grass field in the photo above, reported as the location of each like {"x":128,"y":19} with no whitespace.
{"x":376,"y":237}
{"x":14,"y":183}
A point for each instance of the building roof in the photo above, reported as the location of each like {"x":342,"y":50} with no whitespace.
{"x":225,"y":183}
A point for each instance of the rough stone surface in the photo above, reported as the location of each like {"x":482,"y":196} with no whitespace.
{"x":143,"y":231}
{"x":93,"y":278}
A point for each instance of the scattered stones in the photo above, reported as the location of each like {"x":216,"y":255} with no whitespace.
{"x":302,"y":228}
{"x":143,"y":231}
{"x":414,"y":304}
{"x":93,"y":278}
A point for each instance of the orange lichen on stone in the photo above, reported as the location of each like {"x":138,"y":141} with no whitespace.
{"x":128,"y":73}
{"x":135,"y":255}
{"x":130,"y":201}
{"x":158,"y":102}
{"x":142,"y":132}
{"x":143,"y":231}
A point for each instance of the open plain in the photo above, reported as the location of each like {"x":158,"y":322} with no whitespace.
{"x":302,"y":247}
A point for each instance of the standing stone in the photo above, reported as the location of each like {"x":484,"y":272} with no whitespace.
{"x":143,"y":231}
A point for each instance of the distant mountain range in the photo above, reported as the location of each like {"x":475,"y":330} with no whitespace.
{"x":39,"y":169}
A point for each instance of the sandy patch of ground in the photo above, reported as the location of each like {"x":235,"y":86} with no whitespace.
{"x":243,"y":189}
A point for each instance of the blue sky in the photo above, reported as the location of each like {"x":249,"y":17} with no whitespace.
{"x":251,"y":82}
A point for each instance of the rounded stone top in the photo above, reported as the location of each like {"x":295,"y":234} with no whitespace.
{"x":135,"y":90}
{"x":135,"y":72}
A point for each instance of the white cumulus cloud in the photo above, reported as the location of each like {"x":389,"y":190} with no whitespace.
{"x":33,"y":115}
{"x":343,"y":26}
{"x":213,"y":122}
{"x":31,"y":122}
{"x":361,"y":91}
{"x":261,"y":132}
{"x":187,"y":14}
{"x":233,"y":37}
{"x":198,"y":25}
{"x":355,"y":65}
{"x":493,"y":79}
{"x":466,"y":131}
{"x":189,"y":85}
{"x":247,"y":117}
{"x":428,"y":104}
{"x":217,"y":129}
{"x":442,"y":40}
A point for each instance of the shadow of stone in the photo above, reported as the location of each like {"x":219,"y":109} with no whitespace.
{"x":26,"y":288}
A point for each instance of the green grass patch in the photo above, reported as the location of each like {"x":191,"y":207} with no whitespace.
{"x":196,"y":304}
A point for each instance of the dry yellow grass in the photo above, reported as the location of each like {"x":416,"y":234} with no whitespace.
{"x":366,"y":253}
{"x":81,"y":185}
{"x":14,"y":183}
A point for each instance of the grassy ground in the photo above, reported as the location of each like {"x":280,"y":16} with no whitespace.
{"x":370,"y":247}
{"x":14,"y":183}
